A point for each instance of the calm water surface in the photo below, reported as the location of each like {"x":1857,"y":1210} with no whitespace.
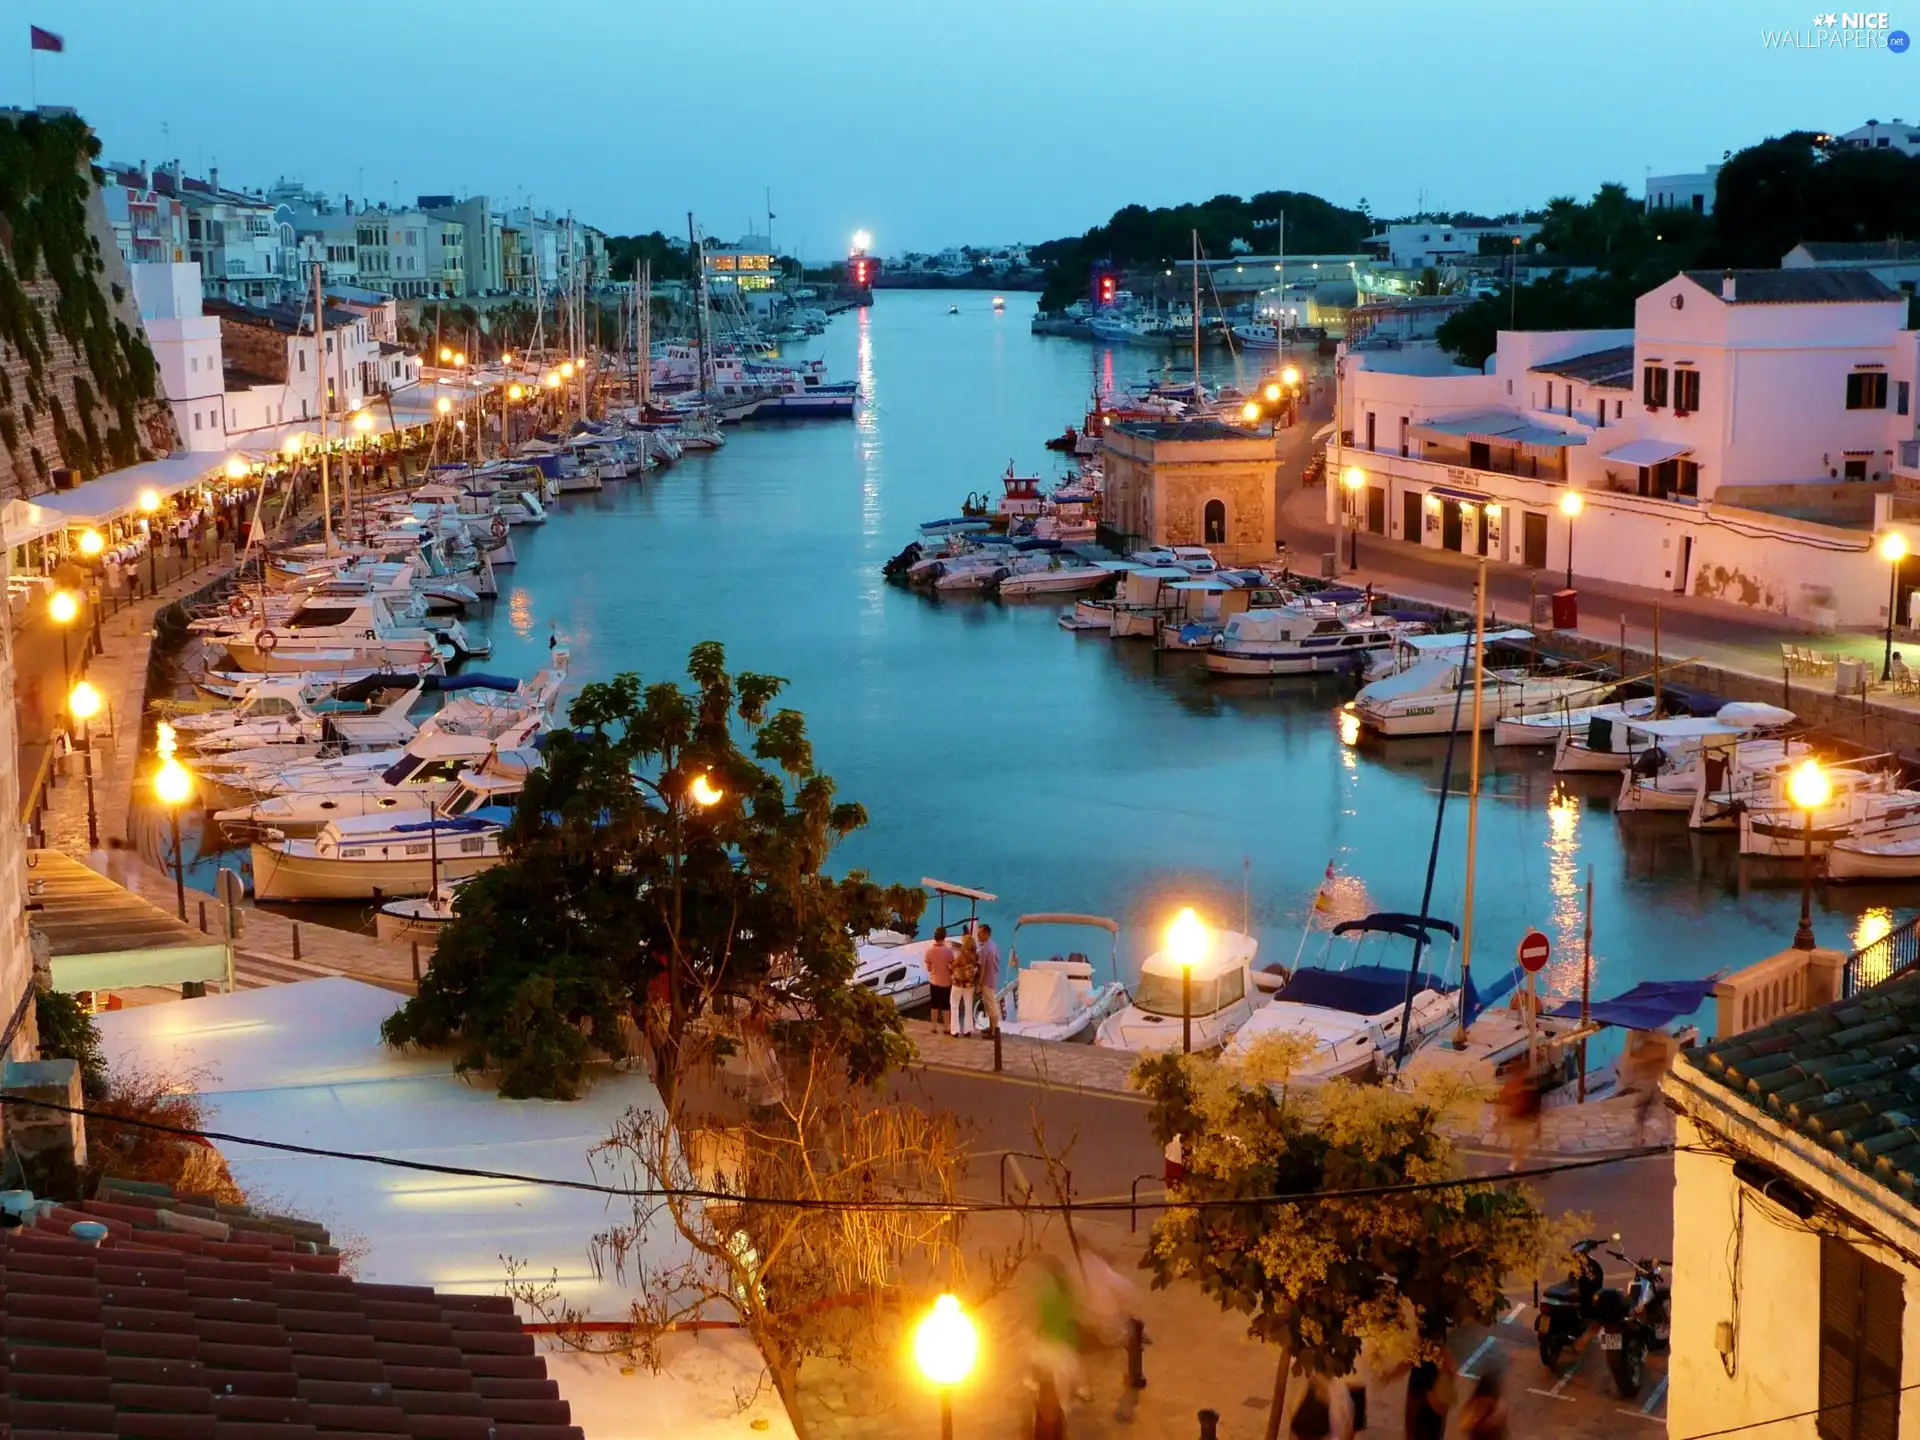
{"x":1070,"y":772}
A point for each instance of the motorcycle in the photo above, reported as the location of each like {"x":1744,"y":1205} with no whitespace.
{"x":1567,"y":1308}
{"x":1633,"y":1322}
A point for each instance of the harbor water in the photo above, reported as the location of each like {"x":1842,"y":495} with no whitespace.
{"x":1070,"y":772}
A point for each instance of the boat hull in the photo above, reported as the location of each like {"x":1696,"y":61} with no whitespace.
{"x":1286,"y":662}
{"x":277,"y":876}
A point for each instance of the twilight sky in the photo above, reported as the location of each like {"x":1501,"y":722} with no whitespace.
{"x":941,"y":123}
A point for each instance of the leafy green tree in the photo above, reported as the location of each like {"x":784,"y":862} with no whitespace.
{"x":663,"y":870}
{"x":1320,"y":1279}
{"x":1801,"y":186}
{"x":626,"y":252}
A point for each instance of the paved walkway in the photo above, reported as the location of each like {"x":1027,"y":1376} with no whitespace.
{"x":1598,"y":1128}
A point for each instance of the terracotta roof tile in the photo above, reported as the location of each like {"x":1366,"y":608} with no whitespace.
{"x":165,"y":1335}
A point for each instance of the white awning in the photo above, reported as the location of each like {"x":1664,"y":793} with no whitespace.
{"x":22,"y":520}
{"x":118,"y":493}
{"x":1647,"y":452}
{"x":1498,"y":426}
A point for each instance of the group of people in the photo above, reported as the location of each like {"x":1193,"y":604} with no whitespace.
{"x":1337,"y":1410}
{"x":963,"y":976}
{"x":1083,"y":1310}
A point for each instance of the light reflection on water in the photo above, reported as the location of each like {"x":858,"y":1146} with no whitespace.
{"x":1071,"y":772}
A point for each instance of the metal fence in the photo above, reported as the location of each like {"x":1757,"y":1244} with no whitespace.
{"x":1892,"y":954}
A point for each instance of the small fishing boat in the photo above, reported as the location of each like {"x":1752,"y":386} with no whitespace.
{"x":1431,"y":695}
{"x":1293,"y":640}
{"x":1547,"y":728}
{"x":1057,"y":999}
{"x":417,"y":919}
{"x":1611,"y":743}
{"x":1222,"y":998}
{"x":373,"y":857}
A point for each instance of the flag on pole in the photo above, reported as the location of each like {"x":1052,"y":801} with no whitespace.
{"x":45,"y":39}
{"x":1323,"y":897}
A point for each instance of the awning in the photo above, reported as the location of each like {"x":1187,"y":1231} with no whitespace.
{"x":1650,"y":1005}
{"x":22,"y":520}
{"x":103,"y":937}
{"x":1497,"y":425}
{"x":119,"y":493}
{"x":1647,"y":452}
{"x":1470,"y":497}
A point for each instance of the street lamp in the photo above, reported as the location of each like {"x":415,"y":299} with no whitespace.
{"x":1809,"y":789}
{"x":1353,"y":481}
{"x":446,"y":354}
{"x":704,"y":793}
{"x":1273,"y":392}
{"x":238,"y":469}
{"x":945,"y":1346}
{"x":443,"y":405}
{"x":64,"y":608}
{"x":149,"y":503}
{"x":92,"y":542}
{"x":172,"y":784}
{"x":1187,"y":941}
{"x":566,"y":369}
{"x":1250,"y":413}
{"x":1570,"y":506}
{"x":1893,"y":549}
{"x":459,"y":358}
{"x":1290,"y":376}
{"x":83,"y":703}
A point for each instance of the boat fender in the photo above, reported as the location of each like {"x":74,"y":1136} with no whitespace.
{"x":238,"y":606}
{"x":499,"y":528}
{"x":265,"y":641}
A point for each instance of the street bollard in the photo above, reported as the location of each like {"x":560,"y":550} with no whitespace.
{"x":416,"y":962}
{"x":203,"y":917}
{"x":1209,"y":1425}
{"x":296,"y":939}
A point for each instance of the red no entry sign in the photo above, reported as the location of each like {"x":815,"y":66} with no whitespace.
{"x":1533,"y":951}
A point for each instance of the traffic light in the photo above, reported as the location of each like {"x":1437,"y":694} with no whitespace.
{"x":860,"y":270}
{"x":1108,"y":287}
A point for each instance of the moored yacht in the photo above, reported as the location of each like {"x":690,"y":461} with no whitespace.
{"x":1059,"y":998}
{"x":1220,"y":1001}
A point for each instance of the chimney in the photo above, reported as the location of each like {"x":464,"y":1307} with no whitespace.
{"x":1726,"y":287}
{"x":213,"y":177}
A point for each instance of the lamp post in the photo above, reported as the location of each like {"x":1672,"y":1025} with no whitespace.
{"x":83,"y":703}
{"x":1809,"y":789}
{"x":945,"y":1346}
{"x":1893,"y":549}
{"x":149,"y":504}
{"x":173,"y":784}
{"x":64,"y":609}
{"x":1570,"y":506}
{"x":515,"y":394}
{"x":1290,"y":378}
{"x":1353,"y":481}
{"x":1187,"y":941}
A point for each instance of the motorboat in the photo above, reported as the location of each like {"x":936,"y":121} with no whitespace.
{"x":1710,"y":784}
{"x":449,"y":778}
{"x":1055,"y":575}
{"x":374,"y":857}
{"x":384,"y":724}
{"x":1876,"y":857}
{"x":327,"y":632}
{"x":1057,"y":998}
{"x":1866,"y":806}
{"x":418,"y":919}
{"x":1350,"y":1016}
{"x":1222,"y":998}
{"x":1546,"y":729}
{"x":1434,"y":694}
{"x":894,"y":965}
{"x":1612,"y":744}
{"x":1293,"y":640}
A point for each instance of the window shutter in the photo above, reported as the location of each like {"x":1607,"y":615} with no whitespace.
{"x":1839,"y":1323}
{"x":1861,"y":1307}
{"x":1877,"y":1416}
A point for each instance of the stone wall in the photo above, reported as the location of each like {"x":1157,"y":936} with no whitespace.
{"x":257,"y":349}
{"x":78,"y":385}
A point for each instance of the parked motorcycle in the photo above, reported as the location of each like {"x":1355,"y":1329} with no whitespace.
{"x":1567,"y":1308}
{"x":1633,"y":1322}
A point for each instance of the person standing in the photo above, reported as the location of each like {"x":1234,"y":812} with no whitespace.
{"x":966,"y":984}
{"x":1429,"y":1398}
{"x":1484,"y":1416}
{"x":990,"y":974}
{"x":939,"y":980}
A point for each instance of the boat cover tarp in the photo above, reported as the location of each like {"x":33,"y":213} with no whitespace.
{"x":1397,"y":922}
{"x":1045,"y":996}
{"x":371,"y":685}
{"x":1650,"y":1005}
{"x":1433,"y":673}
{"x":1264,"y":626}
{"x":1357,"y":990}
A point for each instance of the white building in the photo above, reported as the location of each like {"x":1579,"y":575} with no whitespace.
{"x":1737,"y":443}
{"x":1432,"y":244}
{"x":236,"y":239}
{"x":186,"y":346}
{"x":1895,"y":263}
{"x":1693,"y":191}
{"x":1796,"y":1297}
{"x":1894,"y":134}
{"x":149,"y":227}
{"x":273,"y":371}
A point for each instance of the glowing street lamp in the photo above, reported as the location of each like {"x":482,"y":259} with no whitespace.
{"x":459,"y":357}
{"x":1250,"y":413}
{"x":704,"y":793}
{"x":1809,"y":789}
{"x":862,"y":241}
{"x":566,"y":369}
{"x":516,"y":392}
{"x":92,"y":542}
{"x":1893,"y":549}
{"x":172,"y":784}
{"x":63,"y":608}
{"x":83,"y":703}
{"x":1570,"y":506}
{"x":149,"y":501}
{"x":238,"y":469}
{"x":945,"y":1347}
{"x":1353,"y":481}
{"x":446,"y":354}
{"x":1290,"y":376}
{"x":443,"y":405}
{"x":506,"y":357}
{"x":551,"y":381}
{"x":1187,"y":942}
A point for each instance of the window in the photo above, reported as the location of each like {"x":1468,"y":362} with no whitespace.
{"x":1901,"y":395}
{"x":1600,"y":414}
{"x":303,"y":362}
{"x":1619,"y":408}
{"x":1860,"y":1314}
{"x":1549,"y":404}
{"x":1687,"y":482}
{"x":1686,"y":391}
{"x":193,"y":363}
{"x":196,"y":419}
{"x":1653,"y":386}
{"x":1867,"y":390}
{"x":1215,"y":523}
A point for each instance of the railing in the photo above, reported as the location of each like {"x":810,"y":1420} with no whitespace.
{"x":1893,"y":954}
{"x":1790,"y":983}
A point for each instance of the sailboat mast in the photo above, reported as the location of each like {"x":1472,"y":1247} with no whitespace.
{"x":643,"y":317}
{"x":1473,"y":795}
{"x":320,"y":375}
{"x":1196,"y":316}
{"x":1280,"y":334}
{"x":700,"y":305}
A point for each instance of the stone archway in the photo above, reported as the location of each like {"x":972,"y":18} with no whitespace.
{"x":1213,"y":523}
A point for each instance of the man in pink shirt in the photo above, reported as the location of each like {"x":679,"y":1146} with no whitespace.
{"x":940,"y":976}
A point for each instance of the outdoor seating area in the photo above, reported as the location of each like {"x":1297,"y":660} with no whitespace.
{"x":1805,"y":660}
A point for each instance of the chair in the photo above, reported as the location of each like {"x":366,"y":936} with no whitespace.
{"x":1903,"y":678}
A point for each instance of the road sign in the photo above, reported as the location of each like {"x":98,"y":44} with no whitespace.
{"x":1533,"y":952}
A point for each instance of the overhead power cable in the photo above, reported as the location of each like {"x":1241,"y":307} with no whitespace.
{"x":972,"y":1207}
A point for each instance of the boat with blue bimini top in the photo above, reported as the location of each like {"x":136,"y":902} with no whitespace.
{"x":1350,"y":1016}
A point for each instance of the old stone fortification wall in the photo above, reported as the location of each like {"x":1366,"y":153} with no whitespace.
{"x":78,"y":385}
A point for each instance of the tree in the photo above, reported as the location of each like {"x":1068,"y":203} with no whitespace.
{"x":847,"y":1227}
{"x":1320,"y":1279}
{"x":668,"y":257}
{"x":1800,"y":186}
{"x":664,"y":867}
{"x":1594,"y":302}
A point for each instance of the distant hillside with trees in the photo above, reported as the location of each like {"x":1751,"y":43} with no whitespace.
{"x":1137,"y":236}
{"x":1768,"y":198}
